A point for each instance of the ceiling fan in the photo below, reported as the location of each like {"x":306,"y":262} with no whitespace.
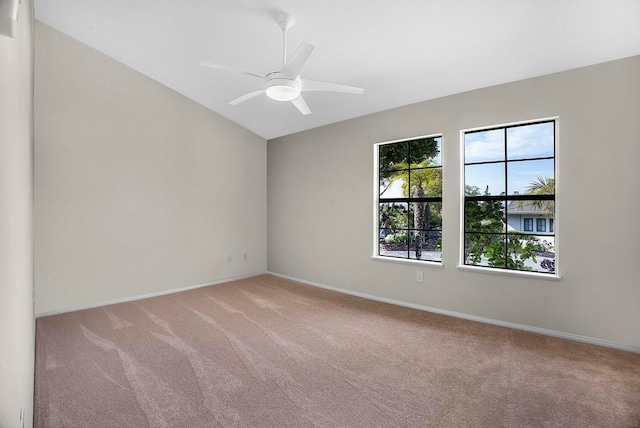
{"x":286,"y":84}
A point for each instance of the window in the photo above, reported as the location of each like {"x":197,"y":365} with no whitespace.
{"x":409,"y":199}
{"x":551,"y":225}
{"x":528,"y":225}
{"x":509,"y":178}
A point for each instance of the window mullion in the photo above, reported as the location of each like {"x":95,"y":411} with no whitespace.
{"x":506,"y":206}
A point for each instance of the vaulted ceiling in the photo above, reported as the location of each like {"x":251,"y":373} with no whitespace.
{"x":401,"y":51}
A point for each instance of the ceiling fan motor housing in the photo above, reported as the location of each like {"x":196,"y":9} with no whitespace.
{"x":281,"y":87}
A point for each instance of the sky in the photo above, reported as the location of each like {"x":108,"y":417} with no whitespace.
{"x":523,"y":142}
{"x":530,"y":141}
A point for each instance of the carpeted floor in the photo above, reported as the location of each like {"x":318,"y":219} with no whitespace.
{"x":270,"y":352}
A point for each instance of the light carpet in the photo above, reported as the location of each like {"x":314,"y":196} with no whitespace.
{"x":269,"y":352}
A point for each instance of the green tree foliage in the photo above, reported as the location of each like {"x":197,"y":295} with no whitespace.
{"x":542,"y":186}
{"x":393,"y":216}
{"x":485,"y":222}
{"x":511,"y":253}
{"x":396,"y":156}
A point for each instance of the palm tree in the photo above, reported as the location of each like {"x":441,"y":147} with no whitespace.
{"x":543,"y":186}
{"x":423,"y":182}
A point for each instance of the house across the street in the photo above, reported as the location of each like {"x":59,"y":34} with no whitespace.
{"x":530,"y":217}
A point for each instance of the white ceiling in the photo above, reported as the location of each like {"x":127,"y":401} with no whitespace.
{"x":400,"y":51}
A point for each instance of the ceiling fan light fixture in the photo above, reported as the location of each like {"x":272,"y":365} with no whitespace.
{"x":286,"y":84}
{"x":282,"y":89}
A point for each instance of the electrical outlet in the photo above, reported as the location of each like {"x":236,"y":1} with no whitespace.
{"x":229,"y":258}
{"x":419,"y":276}
{"x":245,"y":256}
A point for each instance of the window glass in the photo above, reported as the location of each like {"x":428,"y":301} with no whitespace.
{"x":425,"y":152}
{"x":410,"y":199}
{"x":531,"y":177}
{"x":425,"y":182}
{"x":528,"y":225}
{"x":393,"y":216}
{"x":484,"y":146}
{"x":485,"y":249}
{"x":484,"y":216}
{"x":503,"y":196}
{"x":431,"y":243}
{"x":394,"y":243}
{"x":393,"y":156}
{"x":485,"y":179}
{"x":391,"y":184}
{"x":530,"y":141}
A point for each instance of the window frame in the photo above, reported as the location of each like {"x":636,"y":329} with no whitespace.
{"x":505,"y":270}
{"x":541,"y":221}
{"x":377,"y":201}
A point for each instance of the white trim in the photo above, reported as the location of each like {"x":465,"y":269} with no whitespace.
{"x":556,"y":164}
{"x":516,"y":326}
{"x":504,"y":125}
{"x":376,"y":192}
{"x":144,"y":296}
{"x":418,"y":137}
{"x":511,"y":272}
{"x":557,"y":201}
{"x":376,"y":199}
{"x":426,"y":263}
{"x":461,"y":199}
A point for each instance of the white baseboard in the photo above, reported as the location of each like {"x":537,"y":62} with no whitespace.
{"x":523,"y":327}
{"x":144,"y":296}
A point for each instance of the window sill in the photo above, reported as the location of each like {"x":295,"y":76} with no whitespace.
{"x":412,"y":262}
{"x":521,"y":274}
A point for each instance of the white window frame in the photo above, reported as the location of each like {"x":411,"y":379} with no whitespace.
{"x":556,"y":276}
{"x":376,"y":204}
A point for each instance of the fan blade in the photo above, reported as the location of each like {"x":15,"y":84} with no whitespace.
{"x":246,"y":97}
{"x":316,"y":85}
{"x":297,"y":60}
{"x":301,"y":105}
{"x":232,"y":69}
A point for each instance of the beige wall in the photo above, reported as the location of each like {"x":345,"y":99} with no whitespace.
{"x":16,"y":261}
{"x":320,"y":204}
{"x":137,"y":188}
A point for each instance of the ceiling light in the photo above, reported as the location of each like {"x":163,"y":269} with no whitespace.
{"x":282,"y":89}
